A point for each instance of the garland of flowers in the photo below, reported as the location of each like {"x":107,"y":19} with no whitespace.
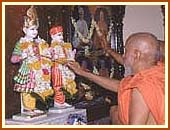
{"x":110,"y":31}
{"x":91,"y":29}
{"x":90,"y":32}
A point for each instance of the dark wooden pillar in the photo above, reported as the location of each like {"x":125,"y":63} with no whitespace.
{"x":117,"y":17}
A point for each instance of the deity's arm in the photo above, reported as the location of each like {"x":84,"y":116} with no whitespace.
{"x":16,"y":55}
{"x":45,"y":50}
{"x":70,"y":53}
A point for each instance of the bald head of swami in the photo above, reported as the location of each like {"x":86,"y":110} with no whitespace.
{"x":141,"y":52}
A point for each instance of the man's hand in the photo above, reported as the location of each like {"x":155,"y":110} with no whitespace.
{"x":107,"y":83}
{"x":75,"y":67}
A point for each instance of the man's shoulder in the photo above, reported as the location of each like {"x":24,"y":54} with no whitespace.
{"x":125,"y":82}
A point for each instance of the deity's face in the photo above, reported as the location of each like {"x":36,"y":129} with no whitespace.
{"x":58,"y":37}
{"x":81,"y":13}
{"x":101,"y":15}
{"x":30,"y":32}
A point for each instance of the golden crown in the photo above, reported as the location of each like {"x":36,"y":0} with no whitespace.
{"x":31,"y":18}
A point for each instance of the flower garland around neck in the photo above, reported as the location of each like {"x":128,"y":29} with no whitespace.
{"x":110,"y":31}
{"x":90,"y":32}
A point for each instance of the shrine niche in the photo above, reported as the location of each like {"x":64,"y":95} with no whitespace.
{"x":98,"y":21}
{"x":82,"y":26}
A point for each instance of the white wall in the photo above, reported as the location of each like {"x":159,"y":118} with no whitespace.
{"x":145,"y":18}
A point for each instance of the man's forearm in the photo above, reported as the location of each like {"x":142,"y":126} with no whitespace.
{"x":110,"y":84}
{"x":116,"y":56}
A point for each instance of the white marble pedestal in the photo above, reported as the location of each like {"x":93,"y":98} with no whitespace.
{"x":50,"y":119}
{"x":61,"y":110}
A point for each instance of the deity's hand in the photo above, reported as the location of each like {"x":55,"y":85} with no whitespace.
{"x":35,"y":49}
{"x":72,"y":55}
{"x":105,"y":45}
{"x":54,"y":55}
{"x":15,"y":59}
{"x":39,"y":40}
{"x":103,"y":42}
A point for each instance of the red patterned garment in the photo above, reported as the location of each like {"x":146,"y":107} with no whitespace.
{"x":57,"y":84}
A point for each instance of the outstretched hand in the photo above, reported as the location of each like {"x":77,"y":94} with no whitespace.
{"x":75,"y":67}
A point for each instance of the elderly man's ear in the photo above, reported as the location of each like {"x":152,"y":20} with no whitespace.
{"x":137,"y":55}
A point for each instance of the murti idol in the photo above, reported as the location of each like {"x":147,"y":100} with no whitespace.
{"x":33,"y":80}
{"x":62,"y":76}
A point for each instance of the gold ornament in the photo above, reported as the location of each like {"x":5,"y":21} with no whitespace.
{"x":31,"y":19}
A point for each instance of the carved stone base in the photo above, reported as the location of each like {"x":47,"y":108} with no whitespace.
{"x":28,"y":116}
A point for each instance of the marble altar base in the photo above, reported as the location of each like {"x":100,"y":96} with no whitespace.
{"x":50,"y":119}
{"x":61,"y":110}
